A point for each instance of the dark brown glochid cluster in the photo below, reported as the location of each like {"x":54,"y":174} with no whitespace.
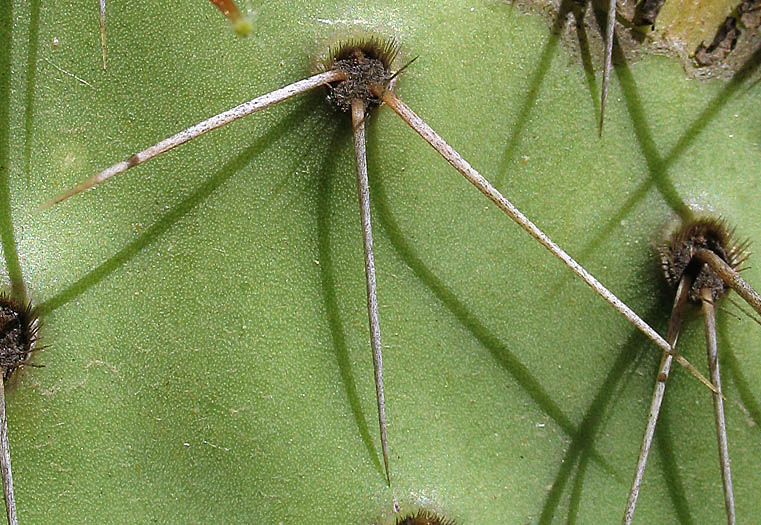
{"x":424,"y":517}
{"x":678,"y":255}
{"x":18,"y":334}
{"x":366,"y":62}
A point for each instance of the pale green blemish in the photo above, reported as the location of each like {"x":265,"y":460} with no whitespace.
{"x":243,"y":26}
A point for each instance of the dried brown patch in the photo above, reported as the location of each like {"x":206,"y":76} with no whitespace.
{"x":712,"y":38}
